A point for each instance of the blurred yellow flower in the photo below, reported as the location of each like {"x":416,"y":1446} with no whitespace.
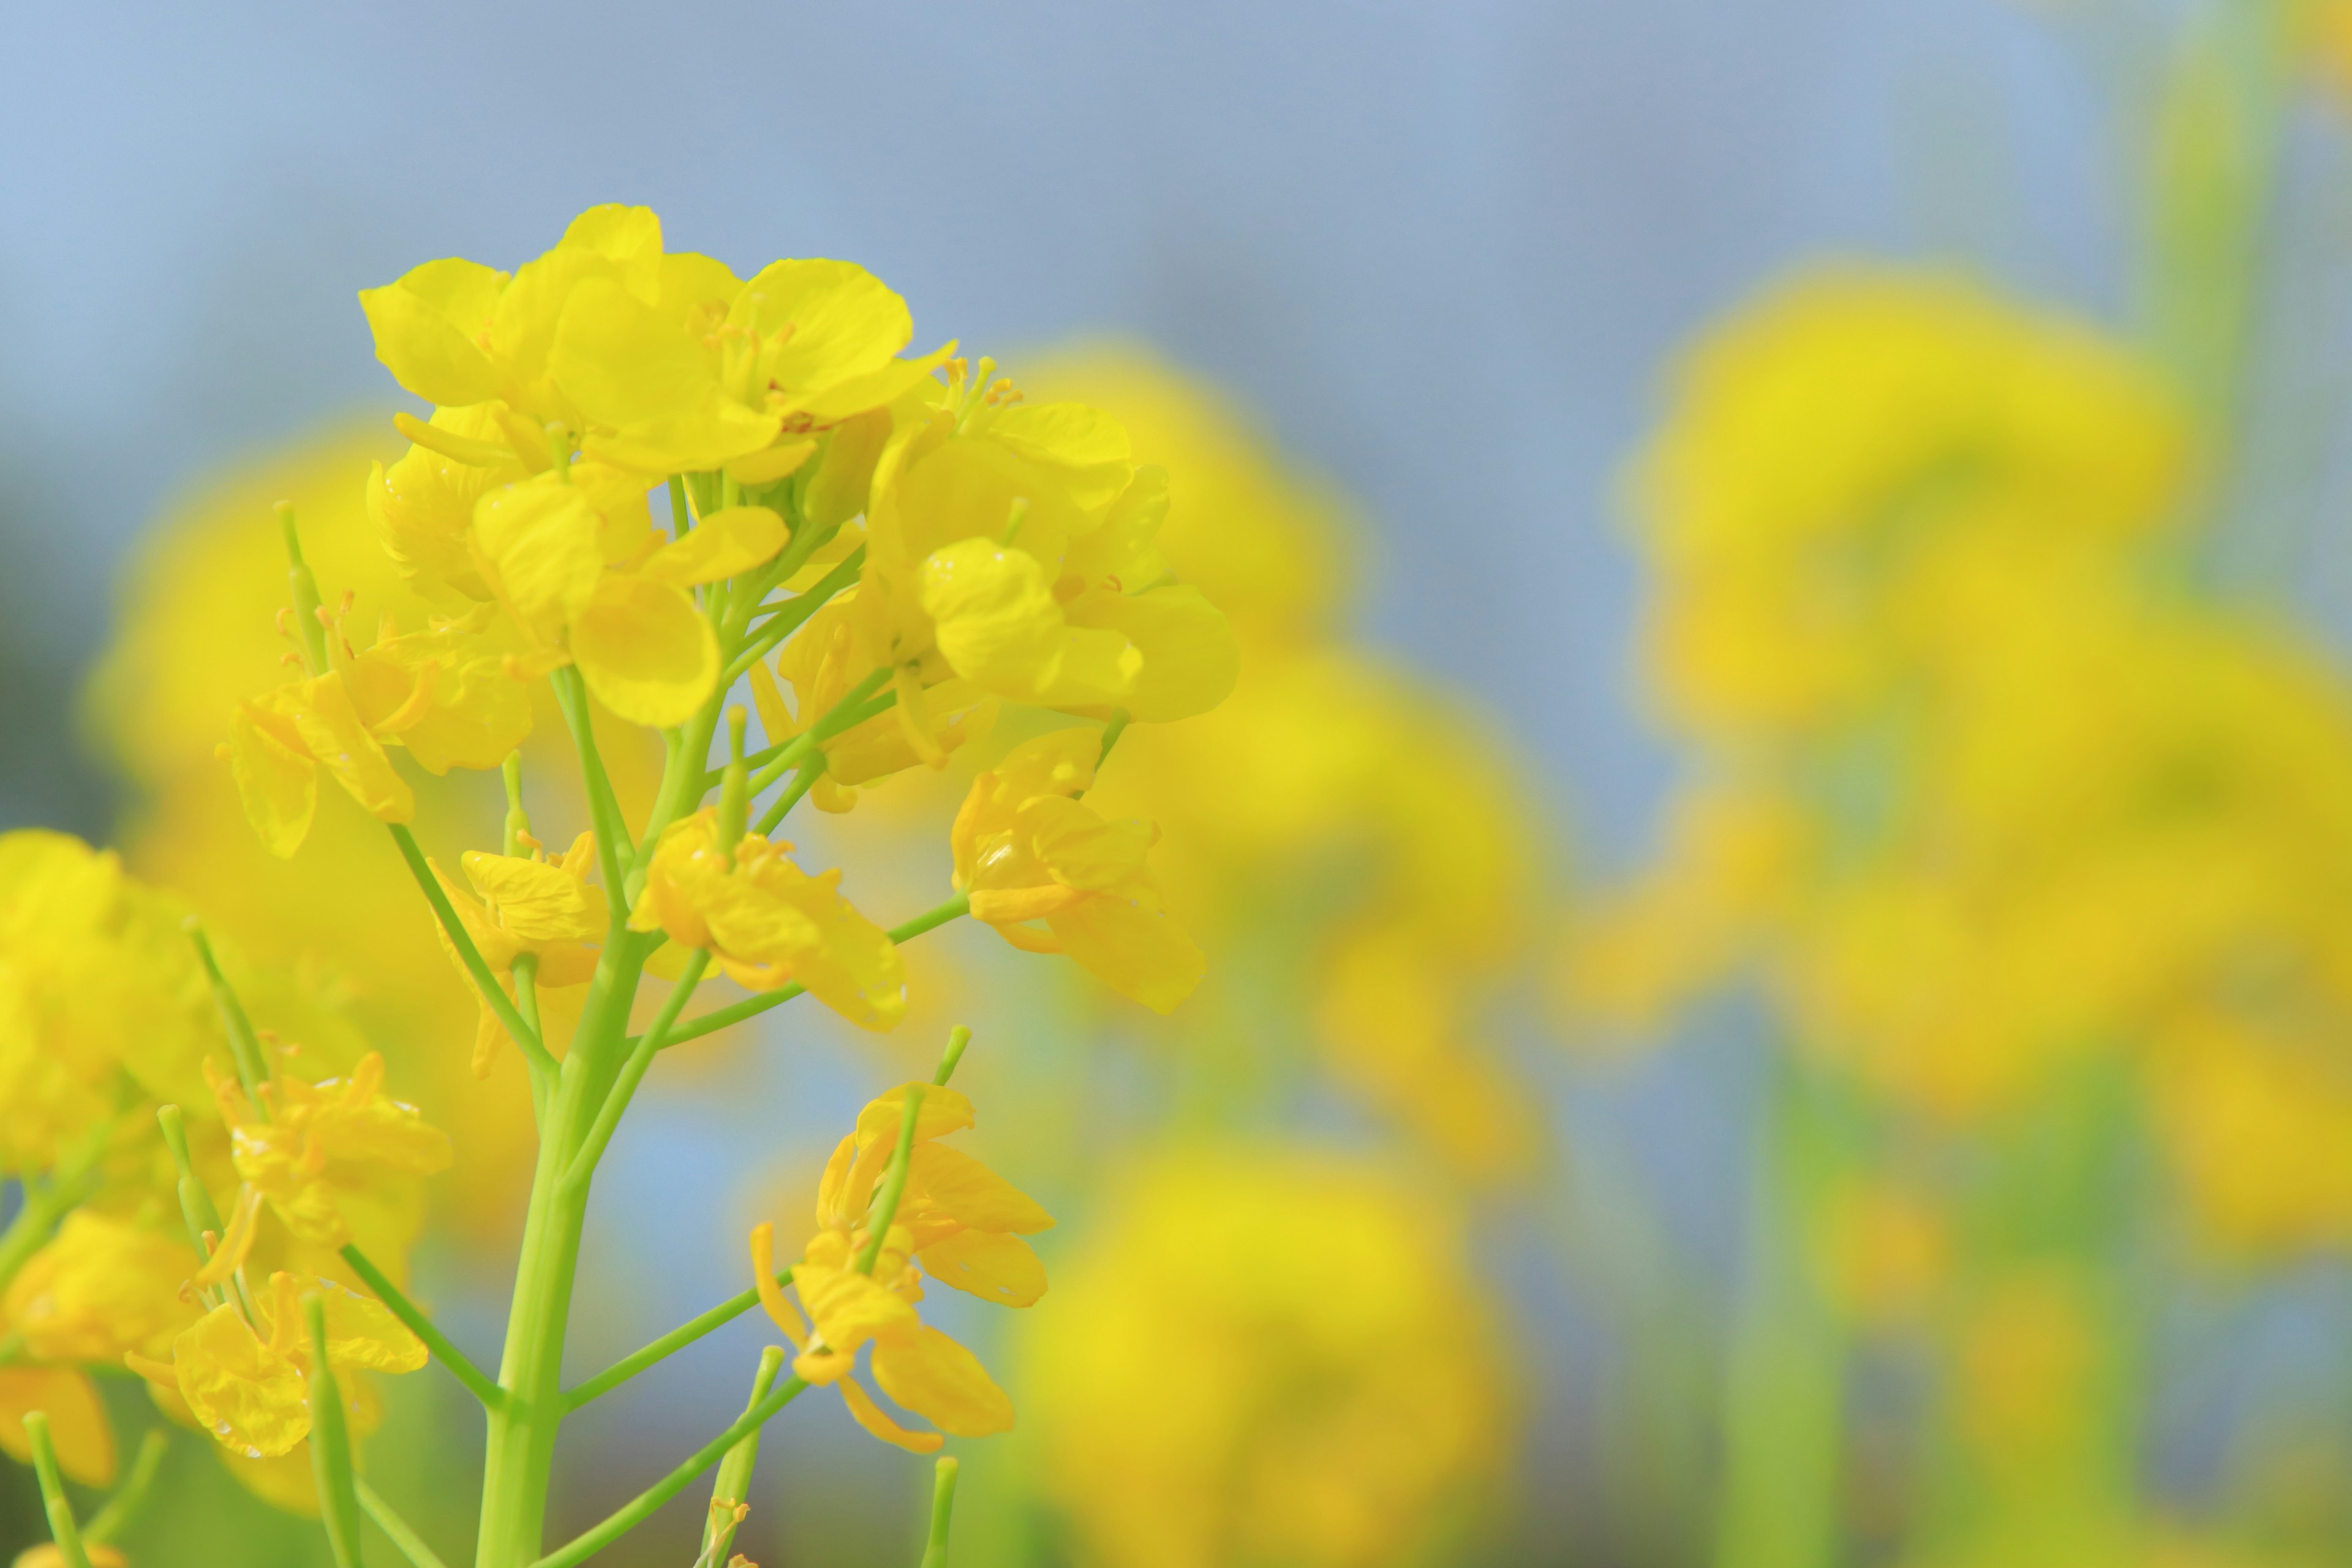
{"x":334,"y":1158}
{"x":1265,"y":1358}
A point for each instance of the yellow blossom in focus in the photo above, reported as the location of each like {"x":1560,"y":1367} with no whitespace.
{"x":958,"y":1219}
{"x":1265,"y":1358}
{"x":249,"y":1383}
{"x":1028,"y":851}
{"x":526,"y":906}
{"x":769,"y":924}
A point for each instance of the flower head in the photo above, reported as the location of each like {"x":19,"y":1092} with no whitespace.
{"x":332,"y":1154}
{"x":769,"y":924}
{"x":1030,"y":853}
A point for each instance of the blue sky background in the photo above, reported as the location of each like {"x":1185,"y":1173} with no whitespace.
{"x":1442,"y":249}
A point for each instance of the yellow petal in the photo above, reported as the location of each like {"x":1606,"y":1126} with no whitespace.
{"x":1189,"y":659}
{"x":847,"y":1307}
{"x":999,"y":1268}
{"x":1082,"y":849}
{"x":1139,"y":952}
{"x":975,"y":1195}
{"x":939,"y":1380}
{"x":725,"y":542}
{"x":994,"y":616}
{"x":874,"y":389}
{"x":275,"y":778}
{"x":768,"y":464}
{"x":77,"y":1424}
{"x":536,"y":902}
{"x":249,"y":1395}
{"x":869,"y":1416}
{"x":425,"y":328}
{"x":845,"y":320}
{"x":541,"y":539}
{"x":333,"y":732}
{"x":363,"y":1333}
{"x":944,"y":1110}
{"x":644,"y":650}
{"x":624,"y":361}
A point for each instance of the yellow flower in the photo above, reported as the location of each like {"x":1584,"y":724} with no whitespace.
{"x":526,"y":905}
{"x":333,"y":1156}
{"x":78,"y":1424}
{"x":1027,"y":850}
{"x":100,"y":1288}
{"x":1839,"y":452}
{"x":457,"y":334}
{"x":728,"y":374}
{"x":822,"y":663}
{"x":1266,"y":1358}
{"x":958,"y":1219}
{"x":963,"y":1222}
{"x":769,"y":924}
{"x":444,"y":693}
{"x":1011,"y":546}
{"x":249,"y":1383}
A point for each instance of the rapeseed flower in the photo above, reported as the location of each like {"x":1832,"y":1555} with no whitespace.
{"x":333,"y":1156}
{"x":1029,"y":853}
{"x":1266,"y":1357}
{"x":955,"y":1218}
{"x":769,"y":924}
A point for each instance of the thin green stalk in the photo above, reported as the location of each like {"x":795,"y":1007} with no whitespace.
{"x":856,"y":706}
{"x":330,"y":1444}
{"x":681,"y":514}
{"x":1111,"y":733}
{"x":54,"y":1501}
{"x":792,"y":614}
{"x":244,"y":1045}
{"x":460,"y":1365}
{"x":396,"y":1528}
{"x":642,"y":1506}
{"x":669,"y":1344}
{"x":541,"y":1065}
{"x":682,"y":787}
{"x":641,"y":1056}
{"x":304,"y":589}
{"x":894,"y":1185}
{"x":494,"y":996}
{"x":943,"y":1485}
{"x":794,"y":792}
{"x":752,"y":1006}
{"x":613,"y":839}
{"x":123,"y":1506}
{"x":731,"y":1489}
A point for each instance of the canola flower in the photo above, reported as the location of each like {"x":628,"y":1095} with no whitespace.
{"x":1268,"y":1357}
{"x":906,"y":544}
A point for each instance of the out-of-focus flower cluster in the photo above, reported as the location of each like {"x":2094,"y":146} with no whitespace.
{"x":1978,"y":784}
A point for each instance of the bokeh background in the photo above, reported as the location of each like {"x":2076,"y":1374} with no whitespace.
{"x":1437,"y":262}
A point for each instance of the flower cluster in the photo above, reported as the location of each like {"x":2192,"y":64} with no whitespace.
{"x":118,"y":1253}
{"x":1980,"y":794}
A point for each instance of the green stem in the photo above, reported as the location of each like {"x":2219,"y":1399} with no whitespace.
{"x":1111,"y":733}
{"x":520,"y":1451}
{"x":669,"y":1344}
{"x":396,"y":1528}
{"x":794,"y":792}
{"x":752,"y":1006}
{"x":244,"y":1045}
{"x":855,"y":708}
{"x":624,"y":1089}
{"x":54,"y":1500}
{"x":792,"y":615}
{"x":733,"y":1487}
{"x":635,"y":1511}
{"x":894,"y":1185}
{"x":943,"y":1485}
{"x":477,"y":1383}
{"x":603,"y":806}
{"x":1783,"y":1390}
{"x":494,"y":996}
{"x":540,"y":1062}
{"x":123,"y":1506}
{"x":684,"y":783}
{"x":330,"y":1444}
